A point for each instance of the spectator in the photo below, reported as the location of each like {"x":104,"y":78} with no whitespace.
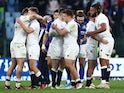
{"x":52,"y":6}
{"x":41,"y":5}
{"x":115,"y":15}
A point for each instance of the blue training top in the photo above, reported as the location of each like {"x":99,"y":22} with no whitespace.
{"x":82,"y":31}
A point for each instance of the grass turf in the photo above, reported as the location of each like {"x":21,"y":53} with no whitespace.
{"x":117,"y":86}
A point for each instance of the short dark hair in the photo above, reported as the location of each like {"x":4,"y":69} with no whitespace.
{"x":56,"y":11}
{"x":25,"y":10}
{"x":34,"y":9}
{"x":69,"y":12}
{"x":61,"y":10}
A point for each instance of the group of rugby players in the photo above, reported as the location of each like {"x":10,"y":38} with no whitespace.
{"x":74,"y":36}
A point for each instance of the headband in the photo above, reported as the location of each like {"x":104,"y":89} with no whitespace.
{"x":80,"y":18}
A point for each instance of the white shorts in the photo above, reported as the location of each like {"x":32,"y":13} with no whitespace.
{"x":55,"y":51}
{"x":91,"y":51}
{"x":18,"y":50}
{"x":33,"y":52}
{"x":70,"y":51}
{"x":106,"y":49}
{"x":82,"y":51}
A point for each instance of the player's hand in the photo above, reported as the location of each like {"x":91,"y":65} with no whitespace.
{"x":54,"y":26}
{"x":81,"y":41}
{"x":104,"y":41}
{"x":39,"y":17}
{"x":18,"y":20}
{"x":43,"y":48}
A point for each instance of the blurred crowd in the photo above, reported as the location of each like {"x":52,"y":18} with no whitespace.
{"x":48,"y":6}
{"x":114,"y":9}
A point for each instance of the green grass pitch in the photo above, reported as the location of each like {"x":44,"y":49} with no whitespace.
{"x":117,"y":86}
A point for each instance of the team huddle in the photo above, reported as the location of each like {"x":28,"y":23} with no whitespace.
{"x":74,"y":36}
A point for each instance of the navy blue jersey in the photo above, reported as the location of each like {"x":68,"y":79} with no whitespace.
{"x":50,"y":38}
{"x":48,"y":26}
{"x":82,"y":31}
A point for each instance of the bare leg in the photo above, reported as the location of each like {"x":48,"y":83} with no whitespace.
{"x":10,"y":71}
{"x":49,"y":60}
{"x":12,"y":67}
{"x":20,"y":64}
{"x":70,"y":64}
{"x":32,"y":65}
{"x":54,"y":71}
{"x":91,"y":66}
{"x":60,"y":71}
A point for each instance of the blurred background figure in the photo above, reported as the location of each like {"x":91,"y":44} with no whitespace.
{"x":116,"y":14}
{"x":51,"y":6}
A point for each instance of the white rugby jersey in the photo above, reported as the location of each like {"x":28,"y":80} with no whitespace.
{"x":61,"y":25}
{"x":33,"y":38}
{"x":71,"y":37}
{"x":91,"y":27}
{"x":101,"y":18}
{"x":19,"y":34}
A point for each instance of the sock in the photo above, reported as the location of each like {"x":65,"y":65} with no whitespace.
{"x":108,"y":74}
{"x":68,"y":74}
{"x":7,"y":82}
{"x":81,"y":73}
{"x":78,"y":81}
{"x":18,"y":82}
{"x":38,"y":74}
{"x":89,"y":81}
{"x":59,"y":77}
{"x":34,"y":80}
{"x":73,"y":83}
{"x":104,"y":72}
{"x":39,"y":78}
{"x":53,"y":73}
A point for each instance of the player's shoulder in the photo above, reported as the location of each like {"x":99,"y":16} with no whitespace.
{"x":24,"y":17}
{"x":35,"y":21}
{"x":90,"y":23}
{"x":101,"y":15}
{"x":73,"y":22}
{"x":56,"y":21}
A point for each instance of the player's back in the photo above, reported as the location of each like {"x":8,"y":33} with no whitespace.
{"x":91,"y":27}
{"x":19,"y":34}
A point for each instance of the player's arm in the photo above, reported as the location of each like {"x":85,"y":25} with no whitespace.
{"x":45,"y":38}
{"x":101,"y":29}
{"x":100,"y":39}
{"x":36,"y":16}
{"x":25,"y":28}
{"x":39,"y":17}
{"x":84,"y":39}
{"x":61,"y":32}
